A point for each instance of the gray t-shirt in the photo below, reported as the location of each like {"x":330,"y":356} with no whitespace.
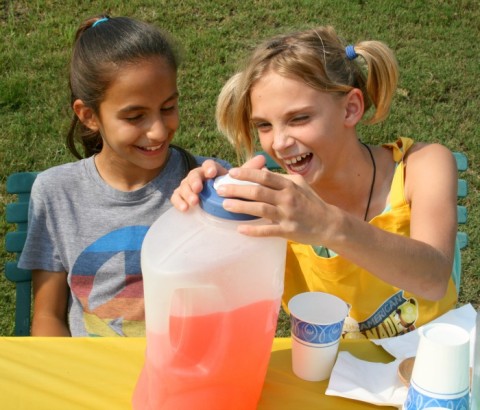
{"x":81,"y":225}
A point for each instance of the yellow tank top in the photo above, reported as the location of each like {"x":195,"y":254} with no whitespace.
{"x":377,"y":309}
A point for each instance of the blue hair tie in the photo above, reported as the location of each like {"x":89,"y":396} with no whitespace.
{"x":103,"y":20}
{"x":350,"y":52}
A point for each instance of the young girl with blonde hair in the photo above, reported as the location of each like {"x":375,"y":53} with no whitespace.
{"x":374,"y":225}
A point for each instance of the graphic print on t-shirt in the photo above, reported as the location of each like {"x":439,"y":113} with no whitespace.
{"x":106,"y":278}
{"x":394,"y":317}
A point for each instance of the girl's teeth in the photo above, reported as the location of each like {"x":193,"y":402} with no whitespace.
{"x":151,"y":148}
{"x":296,"y":159}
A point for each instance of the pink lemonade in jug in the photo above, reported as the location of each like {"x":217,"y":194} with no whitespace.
{"x":212,"y":298}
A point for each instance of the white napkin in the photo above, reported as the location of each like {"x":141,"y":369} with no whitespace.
{"x":378,"y":383}
{"x":375,"y":383}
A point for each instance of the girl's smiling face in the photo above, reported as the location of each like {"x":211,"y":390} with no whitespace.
{"x":138,"y":116}
{"x":297,"y":124}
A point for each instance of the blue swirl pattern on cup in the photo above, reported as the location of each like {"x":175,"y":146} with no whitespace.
{"x":417,"y":400}
{"x":318,"y":334}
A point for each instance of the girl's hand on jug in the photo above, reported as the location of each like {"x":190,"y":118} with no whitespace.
{"x":294,"y":210}
{"x":186,"y":195}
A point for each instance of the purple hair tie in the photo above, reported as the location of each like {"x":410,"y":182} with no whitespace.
{"x":100,"y":21}
{"x":350,"y":52}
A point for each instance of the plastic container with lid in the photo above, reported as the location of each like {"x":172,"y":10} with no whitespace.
{"x":212,"y":297}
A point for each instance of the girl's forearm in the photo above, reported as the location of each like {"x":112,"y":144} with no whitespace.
{"x":49,"y":326}
{"x":406,"y":263}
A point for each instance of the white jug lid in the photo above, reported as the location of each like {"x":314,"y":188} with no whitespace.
{"x":212,"y":203}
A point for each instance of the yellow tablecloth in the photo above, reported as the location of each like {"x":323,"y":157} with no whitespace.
{"x":100,"y":373}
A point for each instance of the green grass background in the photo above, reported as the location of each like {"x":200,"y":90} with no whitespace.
{"x":436,"y":43}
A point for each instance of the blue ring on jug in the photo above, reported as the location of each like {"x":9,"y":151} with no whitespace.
{"x":212,"y":203}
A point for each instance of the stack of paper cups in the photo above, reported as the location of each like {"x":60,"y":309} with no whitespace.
{"x":440,"y":376}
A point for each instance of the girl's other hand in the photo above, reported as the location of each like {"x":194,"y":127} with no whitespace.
{"x":186,"y":195}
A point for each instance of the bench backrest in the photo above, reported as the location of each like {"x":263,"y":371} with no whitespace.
{"x":17,"y":213}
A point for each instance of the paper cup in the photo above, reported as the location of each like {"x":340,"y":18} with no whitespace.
{"x":440,"y":375}
{"x":316,"y":326}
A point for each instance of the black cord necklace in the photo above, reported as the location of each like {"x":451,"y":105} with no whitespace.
{"x":373,"y":180}
{"x":371,"y":188}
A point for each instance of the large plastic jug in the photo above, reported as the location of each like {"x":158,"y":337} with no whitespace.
{"x":212,"y":297}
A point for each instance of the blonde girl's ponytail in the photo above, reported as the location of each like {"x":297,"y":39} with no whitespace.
{"x":382,"y":76}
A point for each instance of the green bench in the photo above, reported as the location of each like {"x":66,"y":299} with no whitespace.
{"x":17,"y":213}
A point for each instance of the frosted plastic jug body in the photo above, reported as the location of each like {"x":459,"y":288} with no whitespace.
{"x":212,"y":298}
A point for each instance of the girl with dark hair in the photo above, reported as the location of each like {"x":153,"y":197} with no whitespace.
{"x":87,"y":219}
